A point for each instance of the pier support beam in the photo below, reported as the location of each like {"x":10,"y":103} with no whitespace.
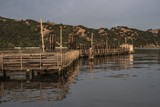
{"x":4,"y":73}
{"x":59,"y":73}
{"x":29,"y":75}
{"x":33,"y":73}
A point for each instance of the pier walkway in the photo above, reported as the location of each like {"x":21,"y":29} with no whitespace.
{"x":26,"y":61}
{"x":48,"y":61}
{"x":106,"y":52}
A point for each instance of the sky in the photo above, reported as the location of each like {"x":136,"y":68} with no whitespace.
{"x":140,"y":14}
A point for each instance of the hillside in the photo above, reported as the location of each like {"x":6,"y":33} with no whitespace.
{"x":26,"y":33}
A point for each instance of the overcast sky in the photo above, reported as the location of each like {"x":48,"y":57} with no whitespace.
{"x":140,"y":14}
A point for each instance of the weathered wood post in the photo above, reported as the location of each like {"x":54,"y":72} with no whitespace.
{"x":40,"y":60}
{"x":22,"y":87}
{"x":2,"y":88}
{"x":92,"y":40}
{"x":50,"y":41}
{"x":4,"y":73}
{"x":33,"y":73}
{"x":106,"y":43}
{"x":2,"y":61}
{"x":28,"y":74}
{"x":90,"y":50}
{"x":60,"y":51}
{"x":21,"y":60}
{"x":42,"y":35}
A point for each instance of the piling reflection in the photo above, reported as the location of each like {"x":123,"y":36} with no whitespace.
{"x":46,"y":87}
{"x":91,"y":67}
{"x":121,"y":62}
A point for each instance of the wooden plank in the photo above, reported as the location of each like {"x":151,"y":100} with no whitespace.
{"x":39,"y":61}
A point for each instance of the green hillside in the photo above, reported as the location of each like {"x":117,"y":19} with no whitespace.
{"x":26,"y":33}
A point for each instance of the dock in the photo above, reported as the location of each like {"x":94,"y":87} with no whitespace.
{"x":54,"y":61}
{"x":106,"y":52}
{"x":31,"y":61}
{"x":49,"y":61}
{"x":40,"y":61}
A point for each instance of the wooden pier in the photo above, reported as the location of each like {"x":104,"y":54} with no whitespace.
{"x":49,"y":61}
{"x":105,"y":52}
{"x":26,"y":61}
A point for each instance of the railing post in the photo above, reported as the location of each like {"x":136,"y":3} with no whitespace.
{"x":65,"y":58}
{"x":21,"y":60}
{"x":40,"y":62}
{"x":61,"y":60}
{"x":2,"y":61}
{"x":57,"y":60}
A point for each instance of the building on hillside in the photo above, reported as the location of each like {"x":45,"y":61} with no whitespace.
{"x":127,"y":46}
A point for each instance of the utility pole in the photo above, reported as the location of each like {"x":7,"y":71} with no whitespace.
{"x":42,"y":36}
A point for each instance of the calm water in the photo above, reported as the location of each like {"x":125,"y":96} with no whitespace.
{"x":119,"y":81}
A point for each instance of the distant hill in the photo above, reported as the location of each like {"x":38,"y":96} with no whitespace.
{"x":26,"y":33}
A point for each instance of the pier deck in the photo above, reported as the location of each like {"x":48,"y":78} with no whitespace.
{"x":37,"y":61}
{"x":105,"y":52}
{"x":41,"y":61}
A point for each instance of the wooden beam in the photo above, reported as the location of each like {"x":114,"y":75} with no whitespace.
{"x":42,"y":35}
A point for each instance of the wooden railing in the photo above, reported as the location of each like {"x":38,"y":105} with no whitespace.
{"x":37,"y":61}
{"x":105,"y":52}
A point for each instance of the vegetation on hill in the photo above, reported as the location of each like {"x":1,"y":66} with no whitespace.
{"x":26,"y":33}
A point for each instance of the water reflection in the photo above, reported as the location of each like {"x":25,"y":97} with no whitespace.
{"x":120,"y":62}
{"x":48,"y":87}
{"x":91,"y":67}
{"x":114,"y":81}
{"x":51,"y":87}
{"x":146,"y":57}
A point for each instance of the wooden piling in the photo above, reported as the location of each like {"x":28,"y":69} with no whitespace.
{"x":2,"y":61}
{"x":40,"y":60}
{"x":42,"y":35}
{"x":21,"y":60}
{"x":4,"y":73}
{"x":32,"y":72}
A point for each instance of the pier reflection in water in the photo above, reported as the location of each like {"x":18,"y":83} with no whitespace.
{"x":112,"y":81}
{"x":121,"y":62}
{"x":51,"y":87}
{"x":108,"y":63}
